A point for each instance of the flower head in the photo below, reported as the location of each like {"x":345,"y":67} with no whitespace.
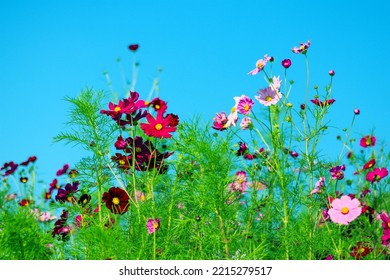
{"x":360,"y":250}
{"x":244,"y":104}
{"x":286,"y":63}
{"x":337,"y":172}
{"x":331,"y":73}
{"x":356,"y":111}
{"x":318,"y":186}
{"x":159,"y":127}
{"x":63,"y":170}
{"x":240,"y":183}
{"x":377,"y":174}
{"x":268,"y":96}
{"x":30,"y":159}
{"x":117,"y":200}
{"x":260,"y":64}
{"x":220,"y":121}
{"x":344,"y":210}
{"x":246,"y":123}
{"x":302,"y":48}
{"x":133,"y":47}
{"x":153,"y":225}
{"x":323,"y":104}
{"x":367,"y":141}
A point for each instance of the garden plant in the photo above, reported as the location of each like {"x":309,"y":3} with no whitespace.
{"x":248,"y":184}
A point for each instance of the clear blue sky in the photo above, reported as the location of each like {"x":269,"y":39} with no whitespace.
{"x":53,"y":49}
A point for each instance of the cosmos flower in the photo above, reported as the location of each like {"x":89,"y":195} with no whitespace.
{"x":377,"y":174}
{"x":244,"y":104}
{"x":344,"y":210}
{"x":153,"y":225}
{"x":367,"y":141}
{"x":268,"y":96}
{"x":117,"y":200}
{"x":360,"y":250}
{"x":159,"y":127}
{"x":133,"y":47}
{"x":286,"y":63}
{"x":260,"y":64}
{"x":220,"y":121}
{"x":63,"y":170}
{"x":337,"y":172}
{"x":302,"y":49}
{"x":246,"y":123}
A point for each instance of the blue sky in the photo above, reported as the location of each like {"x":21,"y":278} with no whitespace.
{"x":53,"y":49}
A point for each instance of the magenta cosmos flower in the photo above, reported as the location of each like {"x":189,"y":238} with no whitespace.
{"x":159,"y":127}
{"x":153,"y":225}
{"x":302,"y":48}
{"x":337,"y":172}
{"x":244,"y":104}
{"x":286,"y":63}
{"x":344,"y":210}
{"x":377,"y":174}
{"x":260,"y":64}
{"x":368,"y":141}
{"x":220,"y":121}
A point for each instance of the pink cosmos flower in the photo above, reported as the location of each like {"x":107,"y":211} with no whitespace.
{"x":153,"y":225}
{"x":318,"y":186}
{"x":268,"y":96}
{"x":244,"y":104}
{"x":220,"y":121}
{"x":377,"y":174}
{"x":302,"y":48}
{"x":246,"y":123}
{"x":344,"y":210}
{"x":368,"y":141}
{"x":240,"y":183}
{"x":260,"y":64}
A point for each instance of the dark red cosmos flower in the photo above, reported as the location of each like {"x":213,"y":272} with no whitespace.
{"x":146,"y":156}
{"x":133,"y":47}
{"x":377,"y":174}
{"x":30,"y":159}
{"x":63,"y":170}
{"x":323,"y":103}
{"x":23,"y":180}
{"x":67,"y":194}
{"x":25,"y":202}
{"x":242,"y":150}
{"x":369,"y":164}
{"x":158,"y":105}
{"x":360,"y":250}
{"x":159,"y":127}
{"x":367,"y":141}
{"x":174,"y":120}
{"x":10,"y":168}
{"x":60,"y":227}
{"x":122,"y":161}
{"x":117,"y":200}
{"x":84,"y":199}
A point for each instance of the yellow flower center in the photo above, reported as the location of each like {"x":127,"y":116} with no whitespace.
{"x":117,"y":109}
{"x":158,"y":126}
{"x":116,"y":201}
{"x":157,"y":107}
{"x":260,"y":65}
{"x":246,"y":107}
{"x":138,"y":150}
{"x":155,"y":225}
{"x":345,"y":210}
{"x":121,"y":162}
{"x":233,"y":109}
{"x":361,"y":250}
{"x":268,"y":98}
{"x":388,"y":224}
